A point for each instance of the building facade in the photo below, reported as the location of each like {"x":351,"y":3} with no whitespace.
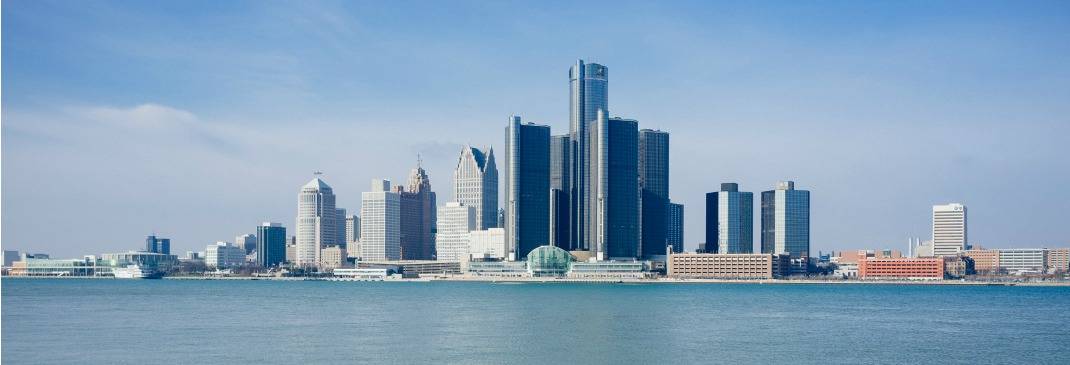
{"x":487,"y":244}
{"x":729,"y":220}
{"x":352,"y":229}
{"x":949,"y":229}
{"x":527,"y":187}
{"x":1023,"y":260}
{"x":418,"y":210}
{"x":316,"y":221}
{"x":333,"y":257}
{"x":559,"y":192}
{"x":246,"y":242}
{"x":455,"y":221}
{"x":158,"y":245}
{"x":615,"y":215}
{"x":223,"y":255}
{"x":588,"y":97}
{"x":984,"y":261}
{"x":380,"y":223}
{"x":901,"y":268}
{"x":475,"y":184}
{"x":1059,"y":260}
{"x":654,"y":190}
{"x":674,"y":234}
{"x":270,"y":244}
{"x":726,"y":266}
{"x":786,"y":221}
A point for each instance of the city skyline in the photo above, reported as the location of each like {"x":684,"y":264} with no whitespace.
{"x":193,"y":169}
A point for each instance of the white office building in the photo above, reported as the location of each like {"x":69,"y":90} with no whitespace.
{"x":315,"y":221}
{"x":1023,"y":260}
{"x":949,"y":229}
{"x":475,"y":184}
{"x":455,"y":221}
{"x":380,"y":223}
{"x":223,"y":255}
{"x":487,"y":244}
{"x":352,"y":229}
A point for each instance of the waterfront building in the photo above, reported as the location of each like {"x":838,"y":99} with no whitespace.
{"x":527,"y":187}
{"x":380,"y":223}
{"x":247,"y":242}
{"x":548,"y":261}
{"x":729,"y":220}
{"x":588,"y":99}
{"x":984,"y":261}
{"x":315,"y":221}
{"x":786,"y":221}
{"x":487,"y":244}
{"x":559,"y":192}
{"x":361,"y":274}
{"x":949,"y":229}
{"x":1023,"y":260}
{"x":158,"y":244}
{"x":654,"y":191}
{"x":352,"y":229}
{"x":614,"y":194}
{"x":674,"y":223}
{"x":1058,"y":260}
{"x":455,"y":221}
{"x":340,"y":237}
{"x":608,"y":270}
{"x":414,"y":267}
{"x":150,"y":260}
{"x":957,"y":267}
{"x":45,"y":266}
{"x":931,"y":268}
{"x":496,"y":268}
{"x":418,"y":209}
{"x":333,"y":257}
{"x":223,"y":255}
{"x":727,"y":266}
{"x":475,"y":184}
{"x":270,"y":244}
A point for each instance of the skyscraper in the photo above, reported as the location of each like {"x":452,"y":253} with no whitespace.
{"x":730,"y":220}
{"x":674,"y":234}
{"x":158,"y":244}
{"x":352,"y":229}
{"x":418,"y":217}
{"x":316,"y":226}
{"x":340,"y":238}
{"x":455,"y":221}
{"x":475,"y":183}
{"x":949,"y":229}
{"x":380,"y":223}
{"x":270,"y":244}
{"x":559,"y":200}
{"x":527,"y":187}
{"x":588,"y":96}
{"x":247,"y":242}
{"x":654,"y":182}
{"x":614,"y":196}
{"x":786,"y":221}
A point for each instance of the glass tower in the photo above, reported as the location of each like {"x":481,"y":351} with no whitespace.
{"x":786,"y":221}
{"x":588,"y":96}
{"x":615,"y":227}
{"x":559,"y":200}
{"x":527,"y":187}
{"x":674,"y":222}
{"x":270,"y":244}
{"x":654,"y":182}
{"x":730,"y":220}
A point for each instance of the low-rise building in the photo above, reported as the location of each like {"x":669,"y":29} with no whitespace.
{"x":414,"y":267}
{"x":930,"y":268}
{"x":1059,"y":260}
{"x":1023,"y":260}
{"x":487,"y":244}
{"x":958,"y":266}
{"x":223,"y":255}
{"x":727,"y":266}
{"x":497,"y":268}
{"x":361,"y":274}
{"x":985,"y":262}
{"x":148,"y":260}
{"x":31,"y":266}
{"x":332,"y":257}
{"x":608,"y":270}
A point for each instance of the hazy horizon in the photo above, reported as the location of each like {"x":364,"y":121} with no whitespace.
{"x":198,"y":120}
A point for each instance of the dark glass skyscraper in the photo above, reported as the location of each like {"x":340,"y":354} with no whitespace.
{"x":559,"y":199}
{"x":674,"y":234}
{"x":158,"y":245}
{"x":615,"y":223}
{"x":786,"y":221}
{"x":588,"y":95}
{"x":270,"y":244}
{"x":654,"y":185}
{"x":527,"y":187}
{"x":730,"y":220}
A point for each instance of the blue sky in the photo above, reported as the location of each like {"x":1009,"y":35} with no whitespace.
{"x":200,"y":119}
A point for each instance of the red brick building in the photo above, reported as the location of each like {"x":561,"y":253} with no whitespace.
{"x":901,"y":268}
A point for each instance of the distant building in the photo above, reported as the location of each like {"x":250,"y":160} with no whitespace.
{"x":158,"y":245}
{"x":270,"y":244}
{"x":527,"y":187}
{"x":352,"y":229}
{"x":455,"y":220}
{"x":475,"y":184}
{"x":949,"y":229}
{"x":291,"y":252}
{"x":418,"y":209}
{"x":223,"y":255}
{"x":786,"y":220}
{"x":730,"y":220}
{"x":316,"y":225}
{"x":674,"y":221}
{"x":246,"y":242}
{"x":414,"y":267}
{"x":487,"y":244}
{"x":1023,"y":260}
{"x":654,"y":190}
{"x":10,"y":256}
{"x":340,"y":237}
{"x":1059,"y":260}
{"x":333,"y":257}
{"x":615,"y":219}
{"x":380,"y":223}
{"x":901,"y":268}
{"x":957,"y":267}
{"x":984,"y":261}
{"x":727,"y":266}
{"x":559,"y":192}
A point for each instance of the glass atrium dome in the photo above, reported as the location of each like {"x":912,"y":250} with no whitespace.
{"x":549,"y":261}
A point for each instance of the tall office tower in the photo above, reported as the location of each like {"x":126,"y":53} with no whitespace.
{"x":949,"y":229}
{"x":380,"y":223}
{"x":654,"y":185}
{"x":455,"y":221}
{"x":559,"y":202}
{"x":316,"y":226}
{"x":475,"y":183}
{"x":158,"y":244}
{"x":418,"y":217}
{"x":247,"y":242}
{"x":786,"y":221}
{"x":614,"y":196}
{"x":527,"y":187}
{"x":588,"y":96}
{"x":270,"y":244}
{"x":674,"y":222}
{"x":352,"y":229}
{"x":730,"y":220}
{"x":340,"y":237}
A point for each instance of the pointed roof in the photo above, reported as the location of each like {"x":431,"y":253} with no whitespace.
{"x":317,"y":184}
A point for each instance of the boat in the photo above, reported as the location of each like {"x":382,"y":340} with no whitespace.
{"x":135,"y":272}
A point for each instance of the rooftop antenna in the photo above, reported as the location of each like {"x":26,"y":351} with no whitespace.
{"x":419,"y":161}
{"x":317,"y":173}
